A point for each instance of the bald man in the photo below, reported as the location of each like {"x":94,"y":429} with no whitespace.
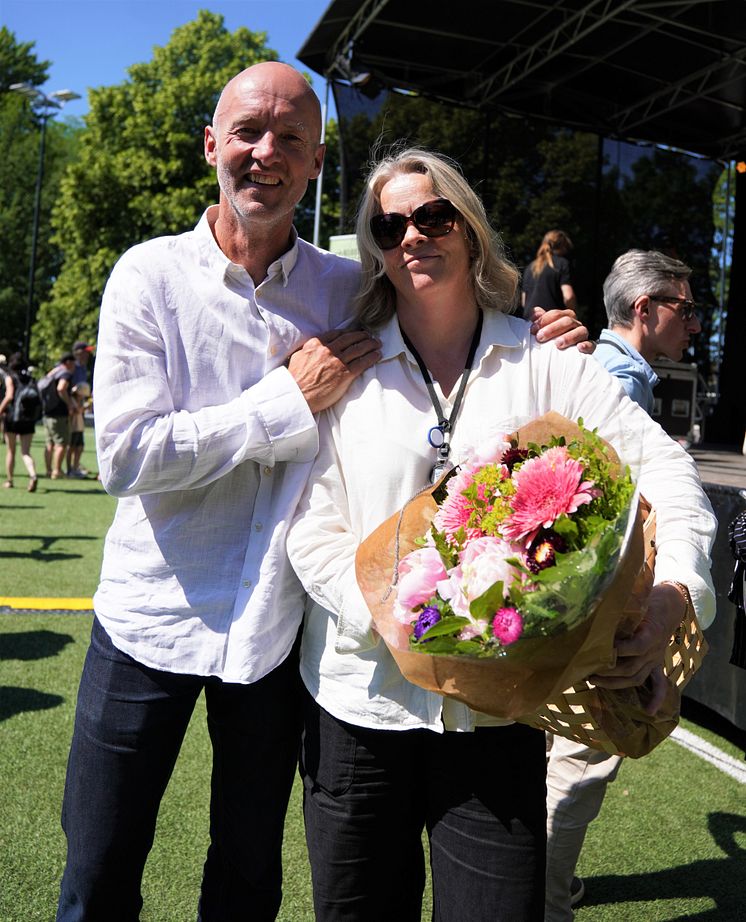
{"x":215,"y":349}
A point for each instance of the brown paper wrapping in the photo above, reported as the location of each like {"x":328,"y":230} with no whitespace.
{"x":537,"y":670}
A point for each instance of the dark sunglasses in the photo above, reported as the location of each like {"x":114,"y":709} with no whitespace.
{"x":686,"y":309}
{"x":433,"y":219}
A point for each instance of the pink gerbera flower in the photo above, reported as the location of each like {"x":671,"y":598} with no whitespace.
{"x":546,"y":488}
{"x":456,"y":509}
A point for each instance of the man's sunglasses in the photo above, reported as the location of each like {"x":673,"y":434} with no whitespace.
{"x":433,"y":219}
{"x":687,"y":308}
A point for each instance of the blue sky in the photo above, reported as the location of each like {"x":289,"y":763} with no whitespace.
{"x":92,"y":42}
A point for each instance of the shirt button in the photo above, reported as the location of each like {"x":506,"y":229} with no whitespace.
{"x":258,"y":526}
{"x":273,"y":350}
{"x":246,"y":583}
{"x":268,"y":470}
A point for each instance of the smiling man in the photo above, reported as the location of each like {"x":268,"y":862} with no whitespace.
{"x":212,"y":359}
{"x":651,"y":314}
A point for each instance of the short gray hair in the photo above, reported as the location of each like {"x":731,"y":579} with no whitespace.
{"x":636,"y":273}
{"x":494,"y":277}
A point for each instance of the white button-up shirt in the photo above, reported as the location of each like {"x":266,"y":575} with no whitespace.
{"x":374,"y":456}
{"x":206,"y":439}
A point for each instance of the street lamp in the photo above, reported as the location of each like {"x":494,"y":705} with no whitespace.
{"x":45,"y":106}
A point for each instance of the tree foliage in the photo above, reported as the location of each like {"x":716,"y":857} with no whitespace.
{"x":141,"y":170}
{"x":19,"y":130}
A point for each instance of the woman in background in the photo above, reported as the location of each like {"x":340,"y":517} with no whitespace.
{"x":15,"y":429}
{"x":546,"y":281}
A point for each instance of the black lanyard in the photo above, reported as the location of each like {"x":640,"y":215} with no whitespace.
{"x":438,"y":436}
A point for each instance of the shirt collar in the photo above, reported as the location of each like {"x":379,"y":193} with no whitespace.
{"x":216,"y":259}
{"x":497,"y":330}
{"x":608,"y":334}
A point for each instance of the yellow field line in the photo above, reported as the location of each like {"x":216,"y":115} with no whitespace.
{"x":46,"y":604}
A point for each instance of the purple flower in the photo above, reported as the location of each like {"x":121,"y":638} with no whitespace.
{"x":542,"y":552}
{"x":427,"y":619}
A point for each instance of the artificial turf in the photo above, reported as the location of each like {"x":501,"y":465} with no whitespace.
{"x":670,"y":842}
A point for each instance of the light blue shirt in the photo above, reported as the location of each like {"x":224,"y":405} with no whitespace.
{"x":623,"y":361}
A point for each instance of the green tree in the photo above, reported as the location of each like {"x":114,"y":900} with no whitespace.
{"x":141,"y":170}
{"x":19,"y":131}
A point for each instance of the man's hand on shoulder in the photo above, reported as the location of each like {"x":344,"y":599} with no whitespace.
{"x":326,"y":365}
{"x":563,"y":327}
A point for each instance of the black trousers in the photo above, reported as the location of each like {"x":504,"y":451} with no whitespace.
{"x":129,"y":726}
{"x":369,"y":794}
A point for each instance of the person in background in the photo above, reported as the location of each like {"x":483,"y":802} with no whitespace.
{"x":79,"y":395}
{"x":82,"y":352}
{"x":546,"y":282}
{"x":384,"y":760}
{"x":205,"y":432}
{"x":651,"y":313}
{"x":20,"y":426}
{"x":57,"y":407}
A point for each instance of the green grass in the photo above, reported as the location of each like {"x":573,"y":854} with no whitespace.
{"x":51,"y":541}
{"x":670,"y":842}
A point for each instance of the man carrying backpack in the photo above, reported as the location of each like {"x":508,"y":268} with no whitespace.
{"x":54,"y":389}
{"x":20,"y":408}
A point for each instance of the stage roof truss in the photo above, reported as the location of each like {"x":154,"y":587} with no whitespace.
{"x":670,"y":72}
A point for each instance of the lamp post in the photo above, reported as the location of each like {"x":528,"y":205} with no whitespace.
{"x":45,"y":106}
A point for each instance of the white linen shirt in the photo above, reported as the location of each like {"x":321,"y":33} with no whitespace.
{"x":207,"y":441}
{"x":374,"y":455}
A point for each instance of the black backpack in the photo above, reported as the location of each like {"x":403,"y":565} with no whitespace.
{"x":49,"y":397}
{"x":26,"y":407}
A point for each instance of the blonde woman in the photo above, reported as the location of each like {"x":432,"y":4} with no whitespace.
{"x":546,"y":281}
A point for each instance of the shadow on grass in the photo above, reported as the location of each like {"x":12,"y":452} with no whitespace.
{"x":15,"y":700}
{"x":95,"y":491}
{"x":717,"y":879}
{"x":32,"y":645}
{"x":43,"y":553}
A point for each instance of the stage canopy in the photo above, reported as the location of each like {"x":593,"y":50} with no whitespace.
{"x":669,"y":72}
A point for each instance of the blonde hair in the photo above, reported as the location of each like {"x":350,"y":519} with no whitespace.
{"x":554,"y":242}
{"x":494,"y":277}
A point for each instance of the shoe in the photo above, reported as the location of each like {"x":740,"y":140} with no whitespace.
{"x":76,"y":475}
{"x":32,"y":484}
{"x":577,"y":891}
{"x":8,"y":485}
{"x":55,"y":475}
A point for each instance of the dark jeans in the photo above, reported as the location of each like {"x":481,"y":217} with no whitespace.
{"x":368,"y":795}
{"x":129,"y":726}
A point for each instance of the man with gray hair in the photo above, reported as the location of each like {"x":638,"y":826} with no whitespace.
{"x":651,"y":313}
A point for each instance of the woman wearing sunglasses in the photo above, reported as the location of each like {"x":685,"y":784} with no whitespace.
{"x":382,"y":759}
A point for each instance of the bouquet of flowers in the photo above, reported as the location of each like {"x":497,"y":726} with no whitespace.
{"x":522,"y":544}
{"x":506,"y":583}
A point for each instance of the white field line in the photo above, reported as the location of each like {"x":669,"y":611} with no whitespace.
{"x":710,"y":754}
